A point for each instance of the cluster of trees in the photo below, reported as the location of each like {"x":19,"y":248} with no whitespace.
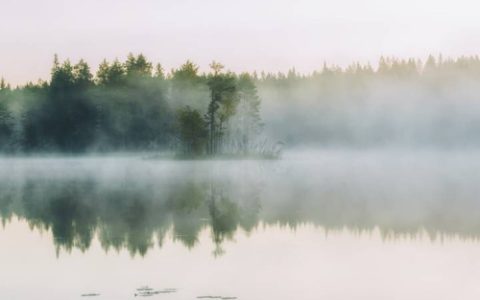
{"x":135,"y":105}
{"x":128,"y":106}
{"x":231,"y":119}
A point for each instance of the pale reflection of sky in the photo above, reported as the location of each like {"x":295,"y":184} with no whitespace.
{"x":271,"y":263}
{"x":271,"y":35}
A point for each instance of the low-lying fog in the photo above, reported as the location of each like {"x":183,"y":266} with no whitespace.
{"x":130,"y":200}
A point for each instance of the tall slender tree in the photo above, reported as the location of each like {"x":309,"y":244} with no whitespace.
{"x":222,"y":104}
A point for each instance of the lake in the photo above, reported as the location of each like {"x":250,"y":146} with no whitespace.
{"x":329,"y":224}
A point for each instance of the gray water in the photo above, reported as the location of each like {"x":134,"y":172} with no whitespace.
{"x":329,"y":224}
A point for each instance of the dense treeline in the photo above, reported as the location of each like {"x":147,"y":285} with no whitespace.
{"x":135,"y":105}
{"x":130,"y":106}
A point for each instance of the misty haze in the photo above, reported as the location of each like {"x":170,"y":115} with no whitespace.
{"x":129,"y":175}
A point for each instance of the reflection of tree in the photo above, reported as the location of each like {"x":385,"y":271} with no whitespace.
{"x":124,"y":215}
{"x":137,"y":213}
{"x":62,"y":207}
{"x":224,"y":216}
{"x":7,"y":197}
{"x":130,"y":218}
{"x":186,"y":203}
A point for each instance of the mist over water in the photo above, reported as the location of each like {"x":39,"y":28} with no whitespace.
{"x":128,"y":201}
{"x":327,"y":213}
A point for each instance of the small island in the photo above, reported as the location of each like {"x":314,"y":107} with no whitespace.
{"x":231,"y":124}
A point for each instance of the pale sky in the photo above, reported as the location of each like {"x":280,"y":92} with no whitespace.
{"x":245,"y":35}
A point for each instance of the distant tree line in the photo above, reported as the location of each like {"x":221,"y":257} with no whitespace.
{"x":398,"y":102}
{"x":135,"y":105}
{"x":130,"y":106}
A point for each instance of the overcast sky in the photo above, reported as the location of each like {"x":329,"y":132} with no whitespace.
{"x":245,"y":35}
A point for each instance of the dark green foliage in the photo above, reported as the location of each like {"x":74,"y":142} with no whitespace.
{"x":223,"y":100}
{"x":126,"y":106}
{"x":138,"y":67}
{"x":192,"y":131}
{"x":133,"y":115}
{"x":188,"y":88}
{"x":64,"y":120}
{"x":111,"y":74}
{"x":186,"y":74}
{"x":6,"y":119}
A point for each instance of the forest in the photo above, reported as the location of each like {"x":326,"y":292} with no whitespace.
{"x":135,"y":105}
{"x":131,"y":106}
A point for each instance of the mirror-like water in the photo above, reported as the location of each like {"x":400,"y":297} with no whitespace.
{"x":323,"y":225}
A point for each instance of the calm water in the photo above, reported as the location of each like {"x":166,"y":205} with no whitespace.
{"x":324,"y":225}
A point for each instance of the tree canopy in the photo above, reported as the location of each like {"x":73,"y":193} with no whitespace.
{"x":125,"y":106}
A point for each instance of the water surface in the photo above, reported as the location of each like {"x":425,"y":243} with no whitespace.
{"x":314,"y":225}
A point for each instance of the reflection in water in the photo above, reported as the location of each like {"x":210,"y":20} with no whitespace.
{"x":127,"y":212}
{"x":135,"y":204}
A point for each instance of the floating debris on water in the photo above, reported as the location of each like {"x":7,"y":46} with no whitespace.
{"x":217,"y":297}
{"x":166,"y":291}
{"x":146,"y":291}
